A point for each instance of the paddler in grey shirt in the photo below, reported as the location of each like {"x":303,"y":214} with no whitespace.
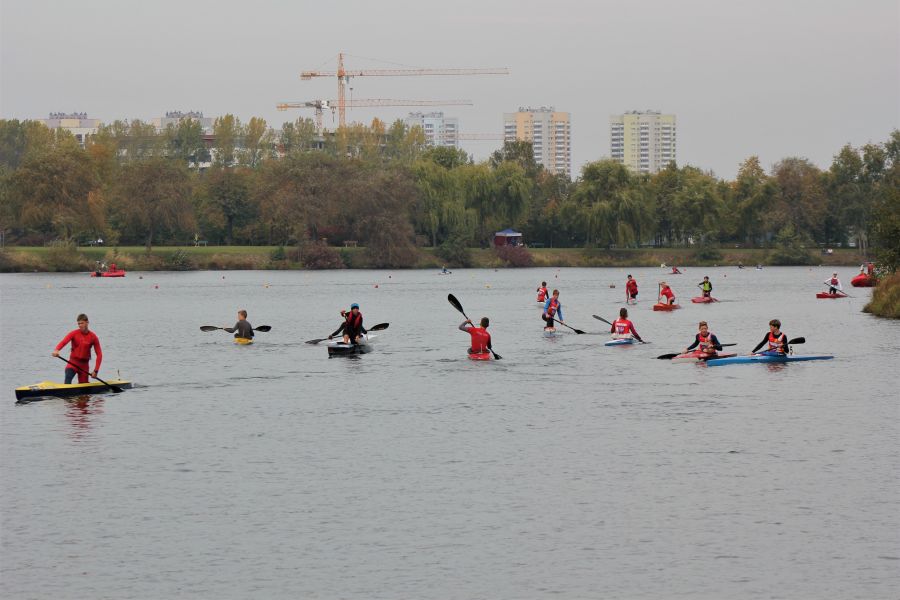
{"x":243,"y":329}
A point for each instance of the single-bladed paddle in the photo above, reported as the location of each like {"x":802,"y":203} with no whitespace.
{"x":452,"y":299}
{"x":116,"y":389}
{"x":578,"y":331}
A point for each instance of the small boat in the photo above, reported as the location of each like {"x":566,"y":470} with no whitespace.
{"x":339,"y":348}
{"x":863,"y":280}
{"x":480,"y":356}
{"x":699,"y":356}
{"x":620,"y":342}
{"x":703,"y":300}
{"x":65,"y":390}
{"x":828,"y":295}
{"x":676,"y":272}
{"x":766,"y":358}
{"x":117,"y":273}
{"x":243,"y":341}
{"x":666,"y":307}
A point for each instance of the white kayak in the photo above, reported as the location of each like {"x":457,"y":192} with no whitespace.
{"x":337,"y":347}
{"x":620,"y":342}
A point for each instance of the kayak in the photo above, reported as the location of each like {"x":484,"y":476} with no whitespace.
{"x":63,"y":390}
{"x":480,"y":356}
{"x":620,"y":342}
{"x":697,"y":356}
{"x":765,"y":358}
{"x":704,"y":300}
{"x":863,"y":280}
{"x":243,"y":341}
{"x":118,"y":273}
{"x":339,"y":348}
{"x":827,"y":295}
{"x":665,"y":307}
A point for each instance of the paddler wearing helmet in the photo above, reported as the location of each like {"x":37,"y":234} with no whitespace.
{"x":352,"y":325}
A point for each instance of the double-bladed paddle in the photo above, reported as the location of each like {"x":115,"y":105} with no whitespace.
{"x":673,"y":355}
{"x":452,"y":299}
{"x":262,"y":328}
{"x":115,"y":389}
{"x":379,"y":327}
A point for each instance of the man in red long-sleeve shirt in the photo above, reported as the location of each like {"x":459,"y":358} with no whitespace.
{"x":82,"y":340}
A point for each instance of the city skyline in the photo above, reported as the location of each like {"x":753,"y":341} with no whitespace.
{"x":773,"y":80}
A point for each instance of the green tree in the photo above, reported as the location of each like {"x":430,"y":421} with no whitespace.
{"x":227,"y":131}
{"x":227,"y":196}
{"x":447,"y":157}
{"x":800,"y":195}
{"x":153,"y":196}
{"x":258,"y":142}
{"x":185,"y":142}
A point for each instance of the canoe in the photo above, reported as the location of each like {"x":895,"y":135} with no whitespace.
{"x":697,"y":356}
{"x":339,"y":348}
{"x":118,"y":273}
{"x":765,"y":358}
{"x":827,"y":295}
{"x":665,"y":307}
{"x":620,"y":342}
{"x":703,"y":300}
{"x":863,"y":280}
{"x":243,"y":341}
{"x":480,"y":356}
{"x":62,"y":390}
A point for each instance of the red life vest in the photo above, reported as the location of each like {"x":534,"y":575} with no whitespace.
{"x":554,"y":306}
{"x":775,"y":343}
{"x":353,"y":323}
{"x":542,"y":294}
{"x":667,"y":292}
{"x":480,"y":339}
{"x":631,"y":286}
{"x":622,"y":326}
{"x":706,"y":343}
{"x":834,"y":281}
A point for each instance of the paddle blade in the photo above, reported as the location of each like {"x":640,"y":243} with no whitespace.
{"x":263,"y":328}
{"x":452,"y":300}
{"x":315,"y":341}
{"x":667,"y":356}
{"x":799,"y":340}
{"x":379,"y":327}
{"x":116,"y":389}
{"x":209,"y":328}
{"x":228,"y":329}
{"x":496,"y":356}
{"x":577,"y":331}
{"x":601,"y":319}
{"x":723,"y":345}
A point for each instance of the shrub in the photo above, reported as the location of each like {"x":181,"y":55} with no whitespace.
{"x":278,"y":254}
{"x":178,"y":261}
{"x":514,"y":256}
{"x":707,"y":254}
{"x":62,"y":256}
{"x":885,"y":300}
{"x":790,"y":249}
{"x":317,"y":255}
{"x":455,"y":252}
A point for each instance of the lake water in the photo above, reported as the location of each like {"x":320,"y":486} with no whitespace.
{"x":565,"y":470}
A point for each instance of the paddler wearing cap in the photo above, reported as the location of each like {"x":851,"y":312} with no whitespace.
{"x":352,"y":325}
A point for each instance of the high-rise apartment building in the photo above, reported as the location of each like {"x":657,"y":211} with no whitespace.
{"x":644,"y":141}
{"x":78,"y":124}
{"x":548,"y":131}
{"x":439,"y":130}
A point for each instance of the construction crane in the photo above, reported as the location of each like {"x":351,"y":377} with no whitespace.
{"x":343,"y":78}
{"x":321,"y":105}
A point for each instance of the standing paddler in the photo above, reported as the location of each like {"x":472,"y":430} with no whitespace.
{"x":667,"y":293}
{"x":352,"y":325}
{"x":82,"y":340}
{"x":834,"y":284}
{"x":631,"y":290}
{"x":705,"y":287}
{"x":542,"y":292}
{"x":552,"y":309}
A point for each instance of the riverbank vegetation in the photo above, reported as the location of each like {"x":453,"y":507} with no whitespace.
{"x":377,"y":197}
{"x":885,"y":300}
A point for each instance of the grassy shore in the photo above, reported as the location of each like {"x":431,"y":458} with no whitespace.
{"x":885,"y":300}
{"x":168,"y":258}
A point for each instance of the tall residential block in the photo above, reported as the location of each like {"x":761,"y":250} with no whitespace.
{"x":439,"y":130}
{"x":548,"y":131}
{"x":644,"y":141}
{"x":78,"y":124}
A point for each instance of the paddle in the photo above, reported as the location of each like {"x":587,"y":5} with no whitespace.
{"x":379,"y":327}
{"x":578,"y":331}
{"x":116,"y":389}
{"x":673,"y":355}
{"x":796,"y":340}
{"x":262,"y":328}
{"x":602,"y":319}
{"x":452,"y":299}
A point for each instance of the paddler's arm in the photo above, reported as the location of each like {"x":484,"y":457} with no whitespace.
{"x":464,"y":324}
{"x":693,"y":344}
{"x":715,"y":342}
{"x":761,"y":344}
{"x":60,"y":345}
{"x":635,"y":333}
{"x":99,"y":351}
{"x":338,"y":330}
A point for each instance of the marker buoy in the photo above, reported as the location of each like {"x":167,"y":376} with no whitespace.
{"x":156,"y":287}
{"x":376,"y":285}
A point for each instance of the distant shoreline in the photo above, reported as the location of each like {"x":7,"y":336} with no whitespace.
{"x":18,"y":259}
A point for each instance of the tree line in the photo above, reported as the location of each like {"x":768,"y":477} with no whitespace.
{"x":381,"y":186}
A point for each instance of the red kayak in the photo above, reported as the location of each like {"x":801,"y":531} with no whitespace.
{"x":697,"y":355}
{"x":665,"y":307}
{"x":703,"y":300}
{"x":119,"y":273}
{"x":480,"y":356}
{"x":827,"y":295}
{"x":863,"y":280}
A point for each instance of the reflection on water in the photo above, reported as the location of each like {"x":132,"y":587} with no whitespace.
{"x":81,"y":411}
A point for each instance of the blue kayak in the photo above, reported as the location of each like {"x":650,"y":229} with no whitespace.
{"x":765,"y":358}
{"x":620,"y":342}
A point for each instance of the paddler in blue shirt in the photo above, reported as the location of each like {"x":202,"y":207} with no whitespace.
{"x":352,"y":325}
{"x":552,"y":310}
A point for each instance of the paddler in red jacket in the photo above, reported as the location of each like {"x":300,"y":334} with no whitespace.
{"x":542,"y":292}
{"x":631,"y":290}
{"x":622,"y":328}
{"x":777,"y":341}
{"x":481,"y":339}
{"x":666,"y":292}
{"x":82,"y":340}
{"x":352,"y":325}
{"x":705,"y":341}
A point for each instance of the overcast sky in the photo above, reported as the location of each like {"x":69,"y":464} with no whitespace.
{"x":774,"y":78}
